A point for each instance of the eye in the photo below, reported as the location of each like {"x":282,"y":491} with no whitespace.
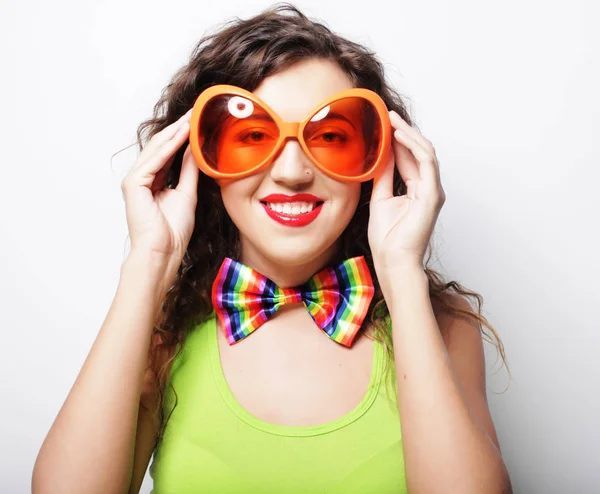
{"x":331,"y":137}
{"x":253,"y":136}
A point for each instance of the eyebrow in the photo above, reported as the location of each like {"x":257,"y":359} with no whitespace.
{"x":257,"y":116}
{"x":339,"y":116}
{"x":267,"y":118}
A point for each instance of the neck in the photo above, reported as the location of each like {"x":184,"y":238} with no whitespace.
{"x":287,"y":272}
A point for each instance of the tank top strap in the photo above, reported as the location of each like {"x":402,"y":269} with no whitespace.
{"x":212,"y":444}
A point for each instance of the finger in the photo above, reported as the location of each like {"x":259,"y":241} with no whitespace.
{"x":420,"y":166}
{"x":145,"y":173}
{"x":399,"y":123}
{"x":165,"y":135}
{"x":170,"y":130}
{"x":159,"y":181}
{"x":383,"y":184}
{"x":188,"y":179}
{"x":429,"y":151}
{"x":408,"y":150}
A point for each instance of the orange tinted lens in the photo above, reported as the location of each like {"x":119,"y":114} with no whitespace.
{"x":236,"y":134}
{"x":345,"y":136}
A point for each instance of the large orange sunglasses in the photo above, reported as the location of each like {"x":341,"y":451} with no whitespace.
{"x":233,"y":134}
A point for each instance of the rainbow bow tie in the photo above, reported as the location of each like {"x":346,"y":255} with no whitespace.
{"x":337,"y":298}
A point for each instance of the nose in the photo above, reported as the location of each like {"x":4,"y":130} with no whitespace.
{"x":292,"y":167}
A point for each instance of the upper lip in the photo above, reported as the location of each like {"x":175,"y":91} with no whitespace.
{"x":271,"y":198}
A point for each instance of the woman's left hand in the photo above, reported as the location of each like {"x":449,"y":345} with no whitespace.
{"x":400,"y":226}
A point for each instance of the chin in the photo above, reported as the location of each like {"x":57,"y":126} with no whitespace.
{"x":295,"y":252}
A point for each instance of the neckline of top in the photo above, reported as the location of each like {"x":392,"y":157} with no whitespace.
{"x":291,"y":430}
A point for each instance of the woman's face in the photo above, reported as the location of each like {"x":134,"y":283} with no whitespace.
{"x":266,"y":243}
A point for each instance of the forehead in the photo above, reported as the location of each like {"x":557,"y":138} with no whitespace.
{"x":296,"y":90}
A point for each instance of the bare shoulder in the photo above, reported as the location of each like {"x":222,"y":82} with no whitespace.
{"x":464,"y":343}
{"x":462,"y":335}
{"x":453,"y":324}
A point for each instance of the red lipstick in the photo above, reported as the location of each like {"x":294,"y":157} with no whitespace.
{"x":288,"y":219}
{"x":294,"y":198}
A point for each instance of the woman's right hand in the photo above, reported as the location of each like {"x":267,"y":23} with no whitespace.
{"x":161,"y":220}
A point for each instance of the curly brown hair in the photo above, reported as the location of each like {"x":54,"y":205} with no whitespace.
{"x":243,"y":53}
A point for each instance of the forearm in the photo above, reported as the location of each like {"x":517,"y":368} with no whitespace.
{"x":445,"y":447}
{"x":90,"y":444}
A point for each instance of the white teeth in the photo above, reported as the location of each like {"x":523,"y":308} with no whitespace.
{"x":292,"y":208}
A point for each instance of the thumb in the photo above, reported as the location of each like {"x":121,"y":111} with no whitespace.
{"x":383,"y":184}
{"x":188,"y":178}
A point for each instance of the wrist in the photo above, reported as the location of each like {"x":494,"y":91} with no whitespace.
{"x":154,"y":268}
{"x":398,"y":267}
{"x":407,"y":270}
{"x":152,"y":262}
{"x":399,"y":277}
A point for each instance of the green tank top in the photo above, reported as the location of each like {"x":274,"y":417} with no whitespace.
{"x":212,"y":444}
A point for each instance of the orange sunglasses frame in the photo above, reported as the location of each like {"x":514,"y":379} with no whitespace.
{"x":289,"y":130}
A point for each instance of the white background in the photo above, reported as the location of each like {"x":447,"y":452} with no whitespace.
{"x":506,"y":91}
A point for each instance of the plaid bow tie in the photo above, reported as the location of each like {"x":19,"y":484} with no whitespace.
{"x":337,"y":298}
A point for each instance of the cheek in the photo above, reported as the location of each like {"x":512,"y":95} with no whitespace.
{"x":238,"y":196}
{"x":353,"y":194}
{"x":349,"y":197}
{"x":233,"y":199}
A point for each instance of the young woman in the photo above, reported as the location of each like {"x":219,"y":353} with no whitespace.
{"x":275,"y":327}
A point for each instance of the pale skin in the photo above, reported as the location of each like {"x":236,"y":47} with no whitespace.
{"x":449,"y":439}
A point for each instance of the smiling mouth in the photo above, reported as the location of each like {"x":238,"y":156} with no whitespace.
{"x":293,"y":214}
{"x":297,"y":208}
